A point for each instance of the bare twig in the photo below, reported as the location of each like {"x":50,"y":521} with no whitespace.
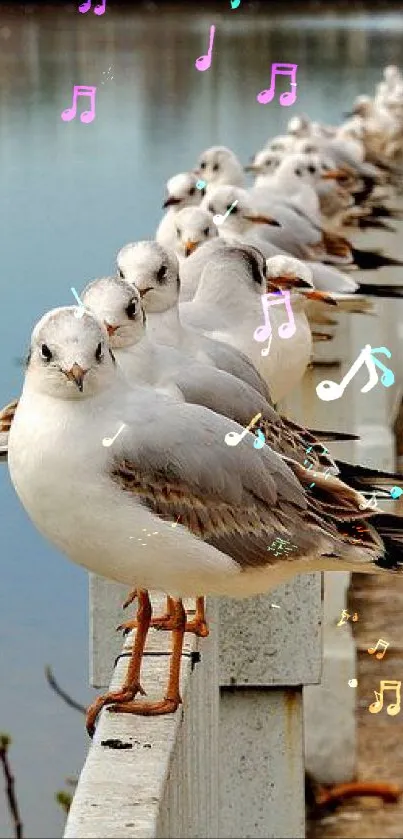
{"x":60,"y":692}
{"x":5,"y":742}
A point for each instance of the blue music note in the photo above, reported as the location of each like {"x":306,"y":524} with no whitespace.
{"x":260,"y":441}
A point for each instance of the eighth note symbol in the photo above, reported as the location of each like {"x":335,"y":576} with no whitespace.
{"x":99,"y":9}
{"x":81,"y":90}
{"x":204,"y":61}
{"x":107,"y":441}
{"x":286,"y":99}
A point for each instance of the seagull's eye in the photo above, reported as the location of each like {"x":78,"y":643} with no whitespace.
{"x":192,"y":190}
{"x":131,"y":309}
{"x":203,"y":164}
{"x":98,"y":352}
{"x":312,"y":169}
{"x":211,"y":208}
{"x":178,"y":233}
{"x":161,"y":274}
{"x":216,"y":167}
{"x":206,"y":231}
{"x":46,"y":353}
{"x":298,"y":172}
{"x":121,"y":274}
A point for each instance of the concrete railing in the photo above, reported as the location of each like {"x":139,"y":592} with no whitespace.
{"x":231,"y":761}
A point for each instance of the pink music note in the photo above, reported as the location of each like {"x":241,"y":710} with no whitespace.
{"x":286,"y":99}
{"x":263,"y":332}
{"x":204,"y":61}
{"x":81,"y":90}
{"x":286,"y":330}
{"x":99,"y":9}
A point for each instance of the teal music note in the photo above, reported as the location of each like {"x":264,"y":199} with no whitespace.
{"x":387,"y":377}
{"x":260,"y":440}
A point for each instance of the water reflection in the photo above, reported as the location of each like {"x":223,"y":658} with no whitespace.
{"x":71,"y":196}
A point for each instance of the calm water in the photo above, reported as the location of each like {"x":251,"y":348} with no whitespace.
{"x":71,"y":196}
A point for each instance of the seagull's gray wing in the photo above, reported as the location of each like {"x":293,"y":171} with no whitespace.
{"x":235,"y":362}
{"x":223,"y":393}
{"x":237,"y":499}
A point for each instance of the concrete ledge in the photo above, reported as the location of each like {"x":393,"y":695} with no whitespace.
{"x":165,"y":782}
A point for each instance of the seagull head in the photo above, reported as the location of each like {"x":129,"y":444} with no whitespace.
{"x":154,"y":271}
{"x":219,"y":165}
{"x":287,"y":272}
{"x":242,"y":217}
{"x":182,"y":191}
{"x":265,"y":162}
{"x":299,"y":126}
{"x":283,"y":143}
{"x":70,"y":357}
{"x":194,"y":226}
{"x":117,"y":304}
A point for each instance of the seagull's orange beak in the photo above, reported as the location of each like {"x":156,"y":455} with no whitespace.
{"x":287,"y":282}
{"x":260,"y":219}
{"x":322,"y":297}
{"x":334,"y":175}
{"x":110,"y":329}
{"x":171,"y":201}
{"x":190,"y":247}
{"x":76,"y":374}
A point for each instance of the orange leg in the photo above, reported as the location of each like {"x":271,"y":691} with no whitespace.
{"x":199,"y":624}
{"x":163,"y":622}
{"x":172,"y":698}
{"x":131,"y":684}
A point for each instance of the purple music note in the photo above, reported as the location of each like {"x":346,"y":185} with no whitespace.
{"x":286,"y":99}
{"x":286,"y":330}
{"x":99,"y":9}
{"x":204,"y":61}
{"x":81,"y":90}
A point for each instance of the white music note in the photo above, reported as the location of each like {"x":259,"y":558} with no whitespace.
{"x":233,"y":437}
{"x":107,"y":441}
{"x":328,"y":390}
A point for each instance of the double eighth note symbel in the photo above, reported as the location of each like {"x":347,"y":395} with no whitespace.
{"x":81,"y":90}
{"x":379,"y":644}
{"x":394,"y":707}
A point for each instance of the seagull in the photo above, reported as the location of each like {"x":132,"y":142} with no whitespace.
{"x":193,"y":226}
{"x":182,"y":192}
{"x":88,"y":500}
{"x":219,"y":165}
{"x":155,"y":273}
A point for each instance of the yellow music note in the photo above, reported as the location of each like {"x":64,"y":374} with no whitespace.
{"x":379,"y":643}
{"x":377,"y":706}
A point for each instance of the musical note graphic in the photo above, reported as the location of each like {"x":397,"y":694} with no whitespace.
{"x":204,"y":61}
{"x":328,"y":390}
{"x":372,"y":502}
{"x":286,"y":99}
{"x":267,"y":349}
{"x":107,"y":441}
{"x":235,"y":4}
{"x":396,"y":492}
{"x":80,"y":311}
{"x":233,"y":437}
{"x":353,"y":683}
{"x":260,"y":441}
{"x":81,"y":90}
{"x":219,"y":219}
{"x":377,"y":706}
{"x":99,"y":9}
{"x":286,"y":330}
{"x":385,"y":645}
{"x":200,"y":184}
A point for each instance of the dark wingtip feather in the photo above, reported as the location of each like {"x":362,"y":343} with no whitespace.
{"x":379,"y":290}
